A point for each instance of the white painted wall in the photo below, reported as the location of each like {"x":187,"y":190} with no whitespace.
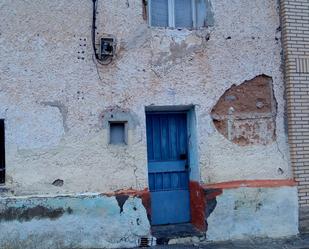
{"x":53,"y":102}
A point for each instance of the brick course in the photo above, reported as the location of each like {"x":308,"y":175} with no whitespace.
{"x":295,"y":40}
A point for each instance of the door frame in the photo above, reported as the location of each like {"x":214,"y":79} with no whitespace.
{"x":192,"y":143}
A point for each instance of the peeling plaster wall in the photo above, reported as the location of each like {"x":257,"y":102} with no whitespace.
{"x":79,"y":221}
{"x":246,"y":114}
{"x":56,"y":102}
{"x":52,"y":95}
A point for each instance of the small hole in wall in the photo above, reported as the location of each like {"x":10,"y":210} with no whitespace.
{"x":280,"y":171}
{"x":117,"y":132}
{"x":58,"y":183}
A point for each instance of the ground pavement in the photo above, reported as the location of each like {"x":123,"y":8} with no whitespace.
{"x":297,"y":242}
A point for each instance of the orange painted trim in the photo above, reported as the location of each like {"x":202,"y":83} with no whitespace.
{"x":251,"y":184}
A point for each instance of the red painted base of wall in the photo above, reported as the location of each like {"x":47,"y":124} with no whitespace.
{"x":198,"y":205}
{"x":200,"y":195}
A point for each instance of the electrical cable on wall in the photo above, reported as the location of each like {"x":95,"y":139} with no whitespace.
{"x":107,"y":44}
{"x":93,"y":29}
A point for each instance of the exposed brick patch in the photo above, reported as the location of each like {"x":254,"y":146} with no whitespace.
{"x":245,"y":114}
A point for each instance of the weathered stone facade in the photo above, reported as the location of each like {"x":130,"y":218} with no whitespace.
{"x":56,"y":101}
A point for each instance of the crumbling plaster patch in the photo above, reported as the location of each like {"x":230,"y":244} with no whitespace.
{"x":246,"y":114}
{"x":41,"y":40}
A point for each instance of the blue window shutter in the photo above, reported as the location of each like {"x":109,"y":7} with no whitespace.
{"x":200,"y":13}
{"x":183,"y":14}
{"x":159,"y":13}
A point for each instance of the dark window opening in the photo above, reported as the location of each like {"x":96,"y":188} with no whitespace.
{"x":117,"y":132}
{"x":2,"y":152}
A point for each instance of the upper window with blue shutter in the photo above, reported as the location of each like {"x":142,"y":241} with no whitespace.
{"x":177,"y":13}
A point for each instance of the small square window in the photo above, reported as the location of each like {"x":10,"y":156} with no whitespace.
{"x":177,"y":13}
{"x":117,"y":133}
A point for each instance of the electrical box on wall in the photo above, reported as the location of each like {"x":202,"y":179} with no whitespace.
{"x":107,"y":48}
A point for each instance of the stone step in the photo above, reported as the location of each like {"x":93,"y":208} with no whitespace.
{"x":168,"y":232}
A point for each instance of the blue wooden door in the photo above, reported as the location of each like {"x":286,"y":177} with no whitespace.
{"x":168,"y":171}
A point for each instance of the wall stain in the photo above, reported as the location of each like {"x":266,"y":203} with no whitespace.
{"x":38,"y":212}
{"x":255,"y":204}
